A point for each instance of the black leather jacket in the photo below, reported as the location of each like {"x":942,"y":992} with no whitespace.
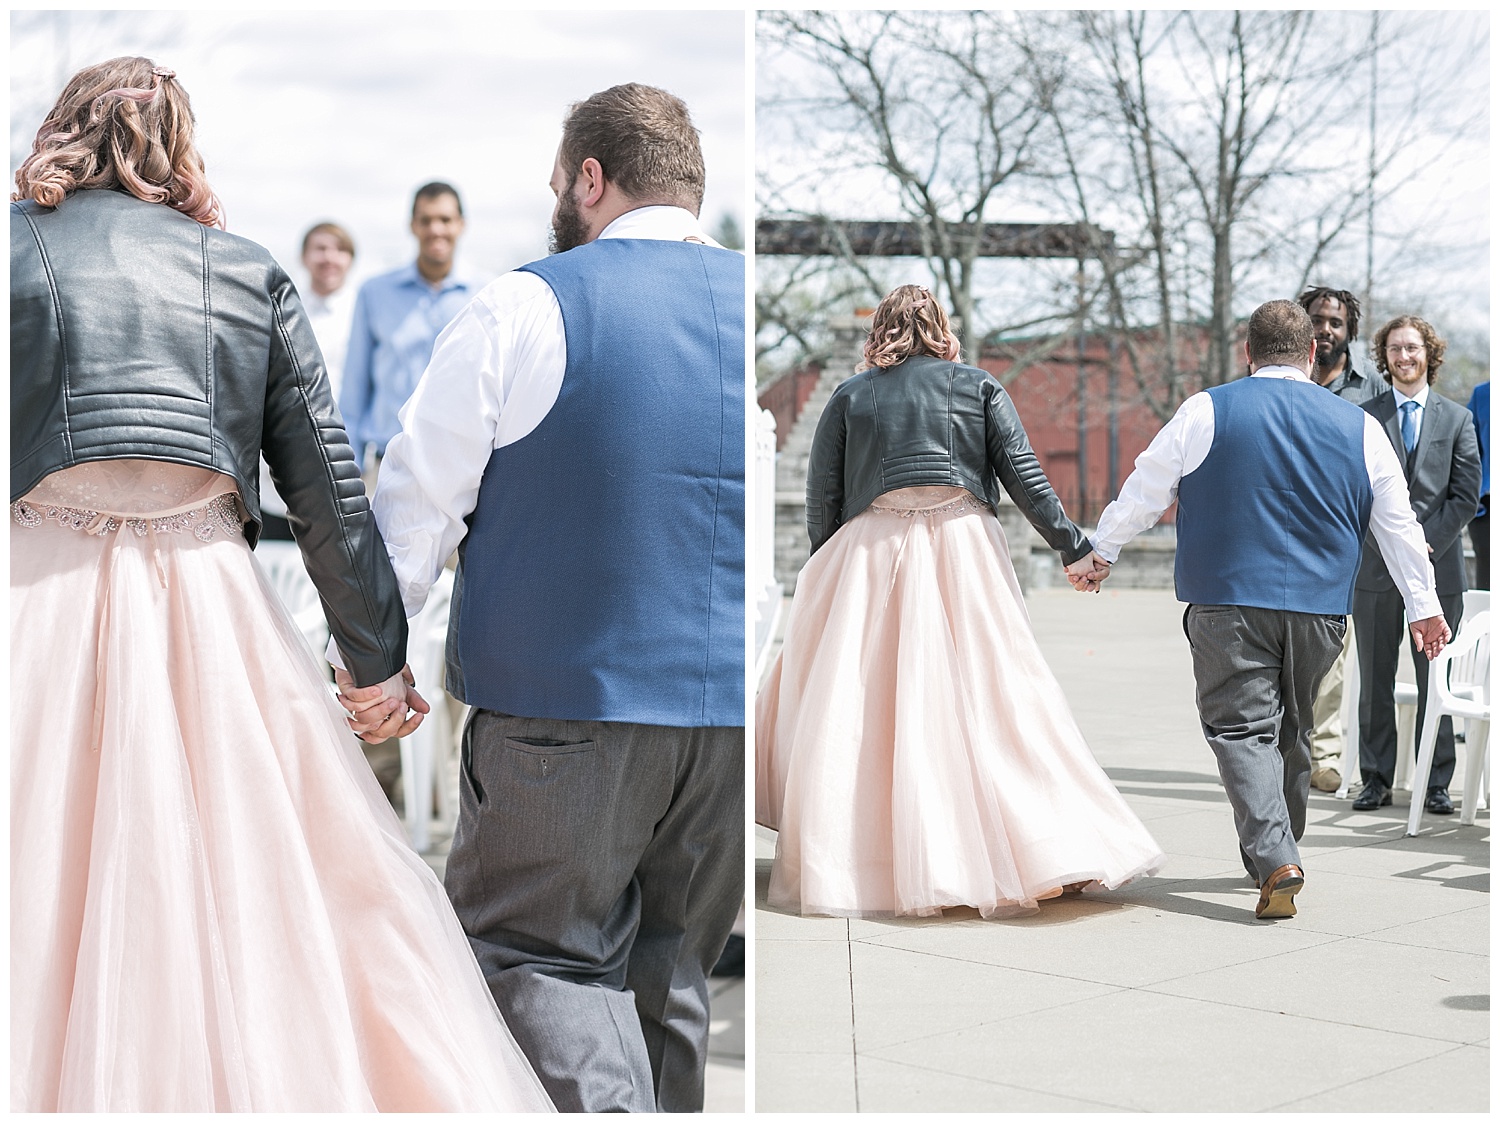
{"x":927,"y":421}
{"x":138,"y":333}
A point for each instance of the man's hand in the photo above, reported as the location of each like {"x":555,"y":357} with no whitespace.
{"x":380,"y":712}
{"x":1432,"y":635}
{"x":1087,"y":573}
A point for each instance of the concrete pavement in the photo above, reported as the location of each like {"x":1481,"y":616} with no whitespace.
{"x":1167,"y":995}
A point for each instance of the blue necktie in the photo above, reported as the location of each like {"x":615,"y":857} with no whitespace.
{"x":1409,"y":425}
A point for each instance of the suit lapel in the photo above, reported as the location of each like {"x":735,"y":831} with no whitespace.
{"x":1390,"y":420}
{"x":1432,"y":420}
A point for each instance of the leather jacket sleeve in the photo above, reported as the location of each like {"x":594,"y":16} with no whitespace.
{"x":314,"y":469}
{"x":1023,"y":479}
{"x":825,"y":474}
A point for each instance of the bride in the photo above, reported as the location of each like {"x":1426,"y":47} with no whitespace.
{"x":913,"y":750}
{"x":212,"y":904}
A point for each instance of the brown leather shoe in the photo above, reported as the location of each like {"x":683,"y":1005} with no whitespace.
{"x":1277,"y":893}
{"x":1325,"y":779}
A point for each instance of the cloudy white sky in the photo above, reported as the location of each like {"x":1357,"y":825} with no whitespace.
{"x":341,"y":115}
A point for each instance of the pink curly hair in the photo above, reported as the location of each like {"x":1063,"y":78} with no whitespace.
{"x":909,"y":321}
{"x":125,"y":123}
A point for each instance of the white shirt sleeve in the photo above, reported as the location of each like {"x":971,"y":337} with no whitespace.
{"x":495,"y":372}
{"x":1180,"y":447}
{"x":1395,"y":527}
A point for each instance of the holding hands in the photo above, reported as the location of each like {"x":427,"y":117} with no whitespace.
{"x":391,"y":708}
{"x":1088,"y":572}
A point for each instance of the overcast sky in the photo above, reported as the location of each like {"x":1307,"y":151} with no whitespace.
{"x":1431,"y":235}
{"x":341,"y":115}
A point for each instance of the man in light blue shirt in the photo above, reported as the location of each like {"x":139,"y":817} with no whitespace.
{"x":397,"y":319}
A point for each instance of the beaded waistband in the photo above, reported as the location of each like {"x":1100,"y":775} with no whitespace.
{"x":964,"y":502}
{"x":219,"y":514}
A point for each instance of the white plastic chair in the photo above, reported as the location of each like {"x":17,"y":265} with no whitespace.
{"x":424,"y":755}
{"x":282,"y":564}
{"x":1457,"y":687}
{"x":1475,"y":601}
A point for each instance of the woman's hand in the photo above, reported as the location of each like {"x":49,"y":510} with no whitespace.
{"x":379,"y":712}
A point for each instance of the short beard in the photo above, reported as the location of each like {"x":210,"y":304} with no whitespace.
{"x":568,"y":228}
{"x":1339,"y":351}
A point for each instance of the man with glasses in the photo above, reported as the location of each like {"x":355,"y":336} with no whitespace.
{"x":1435,"y":442}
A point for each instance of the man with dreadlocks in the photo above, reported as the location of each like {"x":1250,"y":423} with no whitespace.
{"x":1335,"y":319}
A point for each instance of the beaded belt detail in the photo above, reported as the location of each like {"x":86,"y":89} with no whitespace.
{"x":218,"y":514}
{"x":969,"y":502}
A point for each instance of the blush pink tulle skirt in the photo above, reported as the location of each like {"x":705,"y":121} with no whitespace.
{"x":212,"y":908}
{"x":913,"y":750}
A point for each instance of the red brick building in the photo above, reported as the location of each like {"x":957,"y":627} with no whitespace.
{"x":1047,"y":395}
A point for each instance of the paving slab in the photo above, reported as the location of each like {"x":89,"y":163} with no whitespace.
{"x":1421,"y":992}
{"x":904,"y":1087}
{"x":1142,"y":1051}
{"x":1460,"y":931}
{"x":1441,"y":1083}
{"x":805,"y":1082}
{"x":1165,"y":995}
{"x":821,"y":1018}
{"x":954,"y":994}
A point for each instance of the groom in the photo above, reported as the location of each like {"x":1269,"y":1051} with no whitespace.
{"x":1276,"y":483}
{"x":579,"y":437}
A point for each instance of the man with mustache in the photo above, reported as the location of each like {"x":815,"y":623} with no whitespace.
{"x":1435,"y":441}
{"x":1335,"y":320}
{"x":579,"y":437}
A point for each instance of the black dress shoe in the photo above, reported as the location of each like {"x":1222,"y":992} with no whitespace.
{"x":1375,"y":795}
{"x":1438,"y":802}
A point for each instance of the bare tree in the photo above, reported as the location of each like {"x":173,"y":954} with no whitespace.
{"x":1225,"y":150}
{"x":934,"y":103}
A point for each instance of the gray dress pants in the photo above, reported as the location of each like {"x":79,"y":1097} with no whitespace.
{"x":1257,"y":673}
{"x":597,"y":868}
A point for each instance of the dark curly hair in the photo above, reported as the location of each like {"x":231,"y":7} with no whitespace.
{"x":1434,"y":345}
{"x":1343,"y":296}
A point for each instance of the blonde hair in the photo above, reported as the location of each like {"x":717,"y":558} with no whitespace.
{"x":125,"y":123}
{"x":909,"y":321}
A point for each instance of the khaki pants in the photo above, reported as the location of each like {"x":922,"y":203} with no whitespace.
{"x":1328,"y":713}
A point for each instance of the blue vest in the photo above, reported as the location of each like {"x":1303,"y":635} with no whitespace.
{"x":1274,"y":516}
{"x":603,"y":574}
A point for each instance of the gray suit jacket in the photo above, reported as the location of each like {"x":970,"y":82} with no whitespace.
{"x":1443,"y":483}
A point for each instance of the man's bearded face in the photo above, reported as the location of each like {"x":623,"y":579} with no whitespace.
{"x":568,"y":228}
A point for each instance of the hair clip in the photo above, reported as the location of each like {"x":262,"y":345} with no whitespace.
{"x":163,"y":72}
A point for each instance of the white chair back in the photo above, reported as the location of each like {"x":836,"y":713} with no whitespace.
{"x":281,"y":562}
{"x":424,"y":755}
{"x":1468,"y":663}
{"x":1458,"y":687}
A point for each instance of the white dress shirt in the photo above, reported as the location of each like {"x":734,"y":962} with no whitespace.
{"x":1420,"y":397}
{"x":495,"y":372}
{"x":1182,"y":446}
{"x":331,"y":317}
